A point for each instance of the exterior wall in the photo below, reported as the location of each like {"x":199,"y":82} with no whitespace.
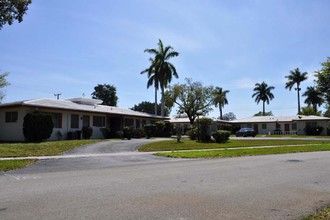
{"x":12,"y":131}
{"x":302,"y":124}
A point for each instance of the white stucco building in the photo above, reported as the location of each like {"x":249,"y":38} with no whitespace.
{"x":69,"y":116}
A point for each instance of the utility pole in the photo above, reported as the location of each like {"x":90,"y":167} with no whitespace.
{"x":57,"y":95}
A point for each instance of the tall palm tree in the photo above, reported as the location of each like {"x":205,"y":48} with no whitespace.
{"x":220,"y":99}
{"x":162,"y":68}
{"x":263,"y":93}
{"x":296,"y":77}
{"x":153,"y":79}
{"x":313,"y":97}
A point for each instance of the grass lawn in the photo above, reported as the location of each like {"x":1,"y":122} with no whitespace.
{"x":172,"y":145}
{"x":49,"y":148}
{"x":7,"y":165}
{"x":320,"y":215}
{"x":245,"y":152}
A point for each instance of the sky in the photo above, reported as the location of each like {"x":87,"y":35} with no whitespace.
{"x":69,"y":47}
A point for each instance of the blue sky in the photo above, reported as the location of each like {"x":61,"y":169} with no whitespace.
{"x":71,"y":46}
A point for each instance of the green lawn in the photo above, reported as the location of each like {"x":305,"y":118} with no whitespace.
{"x":14,"y":164}
{"x":49,"y":148}
{"x":172,"y":145}
{"x":245,"y":152}
{"x":320,"y":215}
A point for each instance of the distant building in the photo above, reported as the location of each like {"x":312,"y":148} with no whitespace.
{"x":283,"y":124}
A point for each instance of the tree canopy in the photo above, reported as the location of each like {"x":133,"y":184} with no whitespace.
{"x":313,"y":97}
{"x":3,"y":83}
{"x":295,"y":78}
{"x":309,"y":110}
{"x":106,"y":93}
{"x":220,"y":99}
{"x":148,"y":107}
{"x":161,"y":71}
{"x":262,"y":92}
{"x":323,"y":80}
{"x":230,"y":116}
{"x":192,"y":98}
{"x":11,"y":10}
{"x":270,"y":113}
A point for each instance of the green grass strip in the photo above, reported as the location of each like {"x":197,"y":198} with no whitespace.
{"x":323,"y":214}
{"x":172,"y":145}
{"x":245,"y":152}
{"x":7,"y":165}
{"x":49,"y":148}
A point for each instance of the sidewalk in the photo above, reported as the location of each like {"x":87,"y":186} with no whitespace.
{"x":135,"y":153}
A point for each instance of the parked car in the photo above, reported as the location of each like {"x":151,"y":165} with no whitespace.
{"x":245,"y":132}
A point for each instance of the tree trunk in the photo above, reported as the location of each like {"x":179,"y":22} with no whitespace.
{"x":220,"y":110}
{"x":155,"y":101}
{"x":263,"y":108}
{"x":298,"y":89}
{"x":162,"y":106}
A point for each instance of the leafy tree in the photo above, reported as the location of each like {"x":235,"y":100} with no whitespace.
{"x":37,"y":126}
{"x":323,"y":80}
{"x":3,"y":83}
{"x":262,"y":92}
{"x":11,"y":10}
{"x":230,"y":116}
{"x":313,"y":97}
{"x":106,"y":93}
{"x":309,"y":110}
{"x":220,"y":99}
{"x":148,"y":107}
{"x":270,"y":113}
{"x":192,"y":98}
{"x":327,"y":112}
{"x":161,"y":70}
{"x":295,"y":78}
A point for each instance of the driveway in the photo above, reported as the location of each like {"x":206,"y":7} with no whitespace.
{"x":104,"y":154}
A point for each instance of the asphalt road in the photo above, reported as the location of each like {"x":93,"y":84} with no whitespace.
{"x":262,"y":187}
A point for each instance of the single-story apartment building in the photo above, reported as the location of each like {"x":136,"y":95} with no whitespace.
{"x":70,"y":116}
{"x":283,"y":124}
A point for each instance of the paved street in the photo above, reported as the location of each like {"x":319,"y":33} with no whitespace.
{"x":147,"y":187}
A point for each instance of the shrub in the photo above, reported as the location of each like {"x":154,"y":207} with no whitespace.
{"x":192,"y":133}
{"x":313,"y":130}
{"x":127,"y":133}
{"x":221,"y":136}
{"x":87,"y":132}
{"x":149,"y":130}
{"x":203,"y":126}
{"x":138,"y":133}
{"x":37,"y":126}
{"x":105,"y":132}
{"x":163,"y":129}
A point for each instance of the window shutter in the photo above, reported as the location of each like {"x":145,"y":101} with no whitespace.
{"x":59,"y":120}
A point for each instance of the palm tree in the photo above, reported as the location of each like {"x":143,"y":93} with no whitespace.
{"x":162,"y":68}
{"x":220,"y":99}
{"x":313,"y":97}
{"x":153,"y":79}
{"x":296,"y":77}
{"x":263,"y":93}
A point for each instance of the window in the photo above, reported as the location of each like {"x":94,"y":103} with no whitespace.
{"x":264,"y":126}
{"x":11,"y":117}
{"x":74,"y":121}
{"x":137,"y":123}
{"x":294,"y":126}
{"x":129,"y":122}
{"x":57,"y":119}
{"x":312,"y":124}
{"x":98,"y":121}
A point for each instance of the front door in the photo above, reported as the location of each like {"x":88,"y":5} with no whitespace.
{"x":255,"y":127}
{"x":287,"y":127}
{"x":86,"y":121}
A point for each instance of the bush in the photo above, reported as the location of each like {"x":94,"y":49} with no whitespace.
{"x":163,"y":129}
{"x":105,"y":132}
{"x":192,"y":133}
{"x":139,"y":133}
{"x":87,"y":132}
{"x":149,"y":130}
{"x":127,"y":133}
{"x":37,"y":126}
{"x":313,"y":130}
{"x":221,"y":136}
{"x":203,"y":126}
